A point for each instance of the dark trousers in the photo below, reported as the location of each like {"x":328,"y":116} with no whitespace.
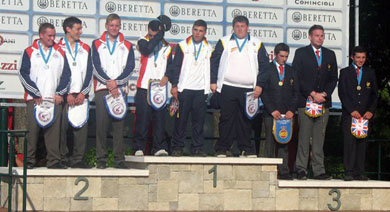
{"x":311,"y":129}
{"x":144,"y":112}
{"x":193,"y":101}
{"x":80,"y":136}
{"x":233,"y":123}
{"x":354,"y":149}
{"x":103,"y":121}
{"x":270,"y":145}
{"x":51,"y":135}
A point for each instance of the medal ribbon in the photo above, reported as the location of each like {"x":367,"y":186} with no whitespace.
{"x":46,"y":60}
{"x":359,"y":73}
{"x":281,"y":73}
{"x":70,"y":50}
{"x":200,"y":47}
{"x":243,"y":43}
{"x":108,"y":45}
{"x":319,"y":57}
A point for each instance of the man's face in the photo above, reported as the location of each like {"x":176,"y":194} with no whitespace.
{"x":75,"y":32}
{"x":47,"y":37}
{"x":152,"y":33}
{"x":359,"y":59}
{"x":240,"y":29}
{"x":198,"y":33}
{"x":281,"y":57}
{"x":317,"y":38}
{"x":113,"y":27}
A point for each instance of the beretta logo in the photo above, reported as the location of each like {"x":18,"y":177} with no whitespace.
{"x":110,"y":7}
{"x":43,"y":4}
{"x":297,"y":17}
{"x":174,"y":11}
{"x":296,"y":34}
{"x":175,"y":29}
{"x":42,"y":20}
{"x":236,"y":12}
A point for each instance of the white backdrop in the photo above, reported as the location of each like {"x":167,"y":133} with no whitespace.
{"x":273,"y":21}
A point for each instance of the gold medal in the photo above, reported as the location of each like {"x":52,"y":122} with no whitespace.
{"x":280,"y":83}
{"x":358,"y":88}
{"x":196,"y":63}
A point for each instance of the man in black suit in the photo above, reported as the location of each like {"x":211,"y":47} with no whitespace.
{"x":279,"y":97}
{"x":358,"y":93}
{"x":317,"y":72}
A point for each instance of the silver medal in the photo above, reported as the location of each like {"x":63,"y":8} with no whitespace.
{"x":74,"y":63}
{"x":46,"y":66}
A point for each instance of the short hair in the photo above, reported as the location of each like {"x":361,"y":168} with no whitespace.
{"x":69,"y":22}
{"x":358,"y":49}
{"x":314,"y":27}
{"x":241,"y":19}
{"x":111,"y":17}
{"x":281,"y":47}
{"x":44,"y":26}
{"x":154,"y":25}
{"x":201,"y":23}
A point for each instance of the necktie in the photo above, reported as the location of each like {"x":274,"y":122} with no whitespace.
{"x":318,"y":53}
{"x":281,"y":70}
{"x":358,"y":71}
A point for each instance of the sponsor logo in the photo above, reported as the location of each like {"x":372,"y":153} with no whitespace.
{"x":11,"y":2}
{"x":191,"y":11}
{"x":133,"y":26}
{"x":1,"y":82}
{"x":110,"y":7}
{"x":6,"y":40}
{"x":57,"y":22}
{"x":176,"y":29}
{"x":298,"y":17}
{"x":174,"y":11}
{"x":11,"y":20}
{"x":9,"y":66}
{"x":299,"y":35}
{"x":129,"y":8}
{"x":263,"y":33}
{"x":254,"y":14}
{"x":315,"y":3}
{"x":62,"y":4}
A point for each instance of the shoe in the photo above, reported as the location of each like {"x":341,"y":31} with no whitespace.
{"x":161,"y":152}
{"x":361,"y":178}
{"x":245,"y":154}
{"x":285,"y":177}
{"x":301,"y":175}
{"x":177,"y":152}
{"x":121,"y":165}
{"x":30,"y":166}
{"x":101,"y":165}
{"x":58,"y":165}
{"x":199,"y":153}
{"x":81,"y":165}
{"x":323,"y":176}
{"x":139,"y":153}
{"x":348,"y":178}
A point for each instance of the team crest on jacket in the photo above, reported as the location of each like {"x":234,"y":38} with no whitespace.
{"x":313,"y":109}
{"x":359,"y":127}
{"x":116,"y":107}
{"x":157,"y":95}
{"x":282,"y":130}
{"x":44,"y":113}
{"x":251,"y":105}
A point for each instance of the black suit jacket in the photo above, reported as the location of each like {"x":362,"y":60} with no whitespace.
{"x":351,"y":99}
{"x":313,"y":79}
{"x":281,"y":98}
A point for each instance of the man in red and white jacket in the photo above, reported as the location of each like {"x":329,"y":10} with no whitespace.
{"x":44,"y":74}
{"x":113,"y":59}
{"x":191,"y":85}
{"x":78,"y":54}
{"x":155,"y":55}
